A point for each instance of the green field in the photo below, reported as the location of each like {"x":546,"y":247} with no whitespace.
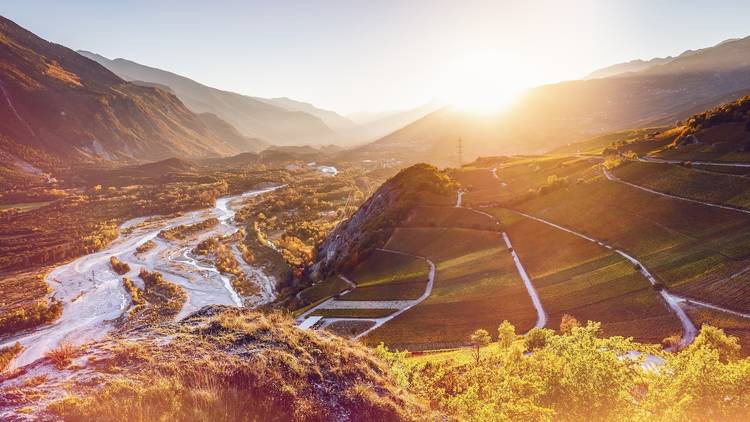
{"x":688,"y":183}
{"x":324,"y":289}
{"x":580,"y":278}
{"x":476,"y":286}
{"x":449,"y":217}
{"x":522,"y":178}
{"x":690,"y":247}
{"x":388,"y":276}
{"x":353,"y":313}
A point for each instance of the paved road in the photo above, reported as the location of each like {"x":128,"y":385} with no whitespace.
{"x":401,"y":305}
{"x":689,"y":329}
{"x":610,"y":176}
{"x":541,"y":319}
{"x":701,"y":163}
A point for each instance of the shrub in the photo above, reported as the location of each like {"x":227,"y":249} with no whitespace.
{"x":62,"y":355}
{"x":506,"y":334}
{"x":39,"y":313}
{"x":7,"y":354}
{"x":118,"y":266}
{"x":537,"y":338}
{"x":567,"y":323}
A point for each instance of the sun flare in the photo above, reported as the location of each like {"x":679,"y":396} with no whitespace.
{"x":482,"y":81}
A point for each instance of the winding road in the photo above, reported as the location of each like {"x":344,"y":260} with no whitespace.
{"x":610,"y":176}
{"x":401,"y":305}
{"x":672,"y":301}
{"x":92,"y":293}
{"x":541,"y":315}
{"x":700,"y":163}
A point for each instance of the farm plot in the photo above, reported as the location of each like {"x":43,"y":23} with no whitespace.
{"x":577,"y":277}
{"x":688,"y":183}
{"x":683,"y":244}
{"x":476,"y":286}
{"x":517,"y":179}
{"x":388,"y":276}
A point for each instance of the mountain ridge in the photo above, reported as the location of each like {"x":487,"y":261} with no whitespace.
{"x":253,"y":117}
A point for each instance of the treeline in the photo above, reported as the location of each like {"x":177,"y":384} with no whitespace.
{"x":182,"y":232}
{"x":737,"y":111}
{"x":25,"y":317}
{"x":578,"y":374}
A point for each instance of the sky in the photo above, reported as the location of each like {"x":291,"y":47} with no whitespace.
{"x":377,"y":55}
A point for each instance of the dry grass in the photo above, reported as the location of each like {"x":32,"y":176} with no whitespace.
{"x":62,"y":355}
{"x":226,"y":364}
{"x":7,"y":354}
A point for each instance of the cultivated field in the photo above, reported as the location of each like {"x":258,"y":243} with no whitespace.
{"x":690,"y":247}
{"x":388,"y":276}
{"x":693,"y":183}
{"x":577,"y":277}
{"x":476,"y":286}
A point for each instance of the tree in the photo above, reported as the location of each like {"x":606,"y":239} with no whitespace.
{"x":479,"y":339}
{"x":537,"y":338}
{"x":727,"y":347}
{"x":506,"y":334}
{"x":567,"y":323}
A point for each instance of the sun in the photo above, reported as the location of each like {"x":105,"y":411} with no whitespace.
{"x":483,"y":81}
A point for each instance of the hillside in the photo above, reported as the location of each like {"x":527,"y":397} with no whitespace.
{"x":278,"y":121}
{"x":553,"y":115}
{"x":636,"y":65}
{"x":371,"y":225}
{"x":220,"y":363}
{"x":60,"y":103}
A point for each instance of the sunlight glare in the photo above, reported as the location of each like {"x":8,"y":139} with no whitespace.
{"x":482,"y":81}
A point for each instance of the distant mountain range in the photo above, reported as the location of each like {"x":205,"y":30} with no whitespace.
{"x":548,"y":116}
{"x":292,"y":123}
{"x":632,"y":66}
{"x":280,"y":121}
{"x":55,"y":102}
{"x":638,"y":65}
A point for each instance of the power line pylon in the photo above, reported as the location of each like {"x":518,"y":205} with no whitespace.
{"x":460,"y":152}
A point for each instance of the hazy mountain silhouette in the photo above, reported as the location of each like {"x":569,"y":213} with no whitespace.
{"x":254,"y":117}
{"x":557,"y":114}
{"x":56,"y":101}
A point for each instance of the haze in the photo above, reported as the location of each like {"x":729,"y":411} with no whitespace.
{"x":351,"y":56}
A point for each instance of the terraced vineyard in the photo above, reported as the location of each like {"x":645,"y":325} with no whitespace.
{"x":580,"y":278}
{"x":476,"y":286}
{"x":693,"y":183}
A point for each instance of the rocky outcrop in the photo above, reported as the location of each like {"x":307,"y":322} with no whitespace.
{"x":372,"y":224}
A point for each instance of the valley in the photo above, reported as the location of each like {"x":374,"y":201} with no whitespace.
{"x":172,"y":250}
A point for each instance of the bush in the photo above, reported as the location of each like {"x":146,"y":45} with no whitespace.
{"x":7,"y":354}
{"x":537,"y":338}
{"x":118,"y":266}
{"x":62,"y":355}
{"x":39,"y":313}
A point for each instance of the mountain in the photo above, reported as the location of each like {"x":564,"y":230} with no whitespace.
{"x":631,"y":66}
{"x":554,"y":115}
{"x":434,"y":138}
{"x":374,"y":125}
{"x":338,"y":123}
{"x":374,"y":221}
{"x":639,"y":65}
{"x":292,"y":123}
{"x":58,"y":103}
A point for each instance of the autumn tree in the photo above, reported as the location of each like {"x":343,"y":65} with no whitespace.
{"x":506,"y":334}
{"x":479,"y":339}
{"x":567,"y":323}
